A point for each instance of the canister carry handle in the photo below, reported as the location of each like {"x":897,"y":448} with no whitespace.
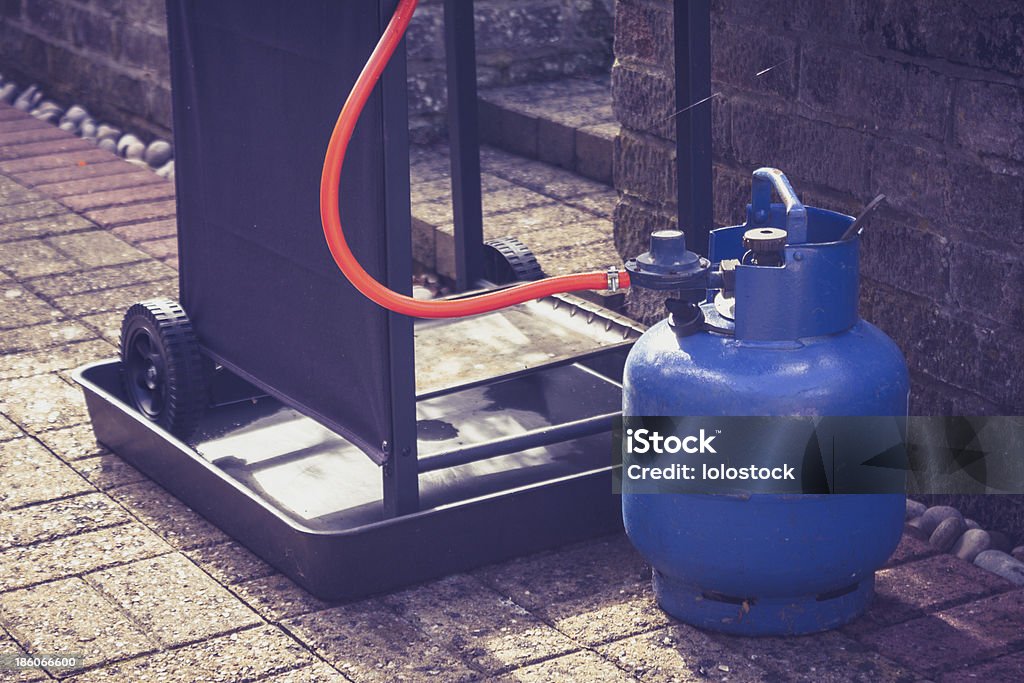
{"x":761,"y":201}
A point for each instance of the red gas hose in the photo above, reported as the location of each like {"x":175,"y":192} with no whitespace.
{"x":331,"y":218}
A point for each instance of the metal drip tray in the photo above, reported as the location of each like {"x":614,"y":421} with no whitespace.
{"x":501,"y":459}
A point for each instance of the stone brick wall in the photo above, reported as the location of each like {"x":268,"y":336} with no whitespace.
{"x":111,"y":55}
{"x":922,"y":100}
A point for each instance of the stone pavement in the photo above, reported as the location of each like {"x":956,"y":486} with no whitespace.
{"x":97,"y":560}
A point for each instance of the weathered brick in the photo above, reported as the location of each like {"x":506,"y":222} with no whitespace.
{"x":117,"y":299}
{"x":93,"y":30}
{"x":988,"y":35}
{"x":96,"y":248}
{"x":877,"y":92}
{"x":814,"y":151}
{"x":518,"y":28}
{"x":739,"y":54}
{"x":48,"y":16}
{"x":643,"y":33}
{"x":57,"y":224}
{"x":898,"y":254}
{"x":983,"y":203}
{"x":644,"y":100}
{"x":645,"y":166}
{"x":95,"y":178}
{"x":912,"y":179}
{"x":595,"y":151}
{"x":989,"y":118}
{"x":989,"y":282}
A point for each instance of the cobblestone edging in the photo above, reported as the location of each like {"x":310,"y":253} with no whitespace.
{"x":948,"y":531}
{"x":76,"y":119}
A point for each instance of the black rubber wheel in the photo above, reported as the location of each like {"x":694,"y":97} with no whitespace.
{"x":163,"y":369}
{"x":509,"y":260}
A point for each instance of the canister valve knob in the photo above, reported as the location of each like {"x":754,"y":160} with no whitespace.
{"x":765,"y":245}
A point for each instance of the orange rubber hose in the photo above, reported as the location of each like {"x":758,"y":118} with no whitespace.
{"x":331,"y":218}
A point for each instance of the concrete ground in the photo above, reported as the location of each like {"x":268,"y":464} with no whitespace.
{"x":96,"y":560}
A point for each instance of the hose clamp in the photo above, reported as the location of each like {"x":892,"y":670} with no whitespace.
{"x":613,"y":280}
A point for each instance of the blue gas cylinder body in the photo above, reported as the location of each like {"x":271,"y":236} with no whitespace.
{"x":789,"y":342}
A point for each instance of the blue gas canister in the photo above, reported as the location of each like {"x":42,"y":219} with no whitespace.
{"x":771,"y":328}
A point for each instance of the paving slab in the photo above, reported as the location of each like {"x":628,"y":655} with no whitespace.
{"x":22,"y":308}
{"x":69,"y":617}
{"x":31,"y":474}
{"x":12,"y":192}
{"x":230,"y":563}
{"x":243,"y":656}
{"x":681,"y":653}
{"x":73,"y":555}
{"x":108,"y":324}
{"x":107,"y":471}
{"x":29,"y":258}
{"x":821,"y":658}
{"x":9,"y":430}
{"x":147,"y":230}
{"x":172,"y":599}
{"x":65,"y":357}
{"x":367,"y":642}
{"x":96,"y":248}
{"x":56,"y":519}
{"x":276,"y":597}
{"x":42,"y":402}
{"x":96,"y":279}
{"x":22,"y":168}
{"x":50,"y":180}
{"x":72,"y":443}
{"x":9,"y":647}
{"x":166,"y":515}
{"x":93,"y":179}
{"x":1009,"y":668}
{"x":952,"y":638}
{"x":117,"y":299}
{"x":46,"y":335}
{"x":134,"y":194}
{"x":15,"y":213}
{"x":913,"y":589}
{"x":489,"y":631}
{"x":578,"y":666}
{"x":134,"y":213}
{"x":60,"y":224}
{"x":318,"y":673}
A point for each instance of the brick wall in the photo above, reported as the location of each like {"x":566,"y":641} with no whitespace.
{"x":111,"y":55}
{"x":922,"y":100}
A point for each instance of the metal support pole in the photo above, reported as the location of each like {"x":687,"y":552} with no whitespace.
{"x":692,"y":22}
{"x":544,"y":436}
{"x":400,"y":471}
{"x":464,"y":142}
